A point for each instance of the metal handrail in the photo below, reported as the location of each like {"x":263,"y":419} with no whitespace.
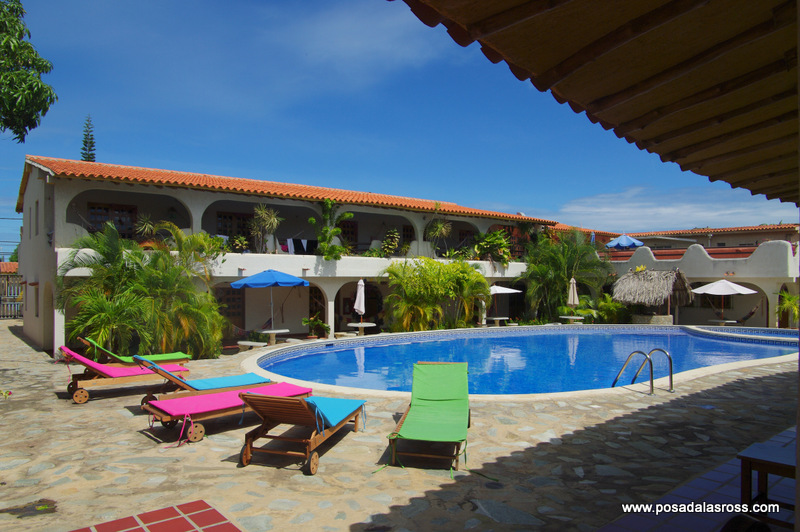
{"x":647,"y":360}
{"x":669,"y":358}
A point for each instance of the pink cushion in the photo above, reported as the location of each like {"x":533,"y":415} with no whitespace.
{"x":200,"y":404}
{"x":114,"y":371}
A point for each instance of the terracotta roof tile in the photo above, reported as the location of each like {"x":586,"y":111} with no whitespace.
{"x":119,"y":173}
{"x":9,"y":267}
{"x":718,"y":230}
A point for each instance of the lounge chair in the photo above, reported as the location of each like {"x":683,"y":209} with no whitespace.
{"x":323,"y":415}
{"x":439,"y":409}
{"x":176,"y":358}
{"x":193,"y":408}
{"x":180,"y":386}
{"x":97,"y":374}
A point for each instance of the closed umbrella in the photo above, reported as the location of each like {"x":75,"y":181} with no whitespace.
{"x":723,"y":288}
{"x":572,"y":296}
{"x":360,"y":306}
{"x":624,"y":242}
{"x":269,"y":278}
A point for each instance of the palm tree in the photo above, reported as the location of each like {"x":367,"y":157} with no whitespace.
{"x":551,"y":265}
{"x":789,"y":304}
{"x":264,"y":223}
{"x":150,"y":299}
{"x":469,"y":289}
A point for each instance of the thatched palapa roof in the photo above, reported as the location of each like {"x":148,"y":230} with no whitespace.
{"x":652,"y":288}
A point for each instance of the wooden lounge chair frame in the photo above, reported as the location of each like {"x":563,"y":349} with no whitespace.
{"x":173,"y":387}
{"x":453,"y":457}
{"x":117,"y":360}
{"x":95,"y":377}
{"x":276,"y":411}
{"x":197,"y":430}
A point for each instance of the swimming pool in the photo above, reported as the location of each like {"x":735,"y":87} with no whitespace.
{"x":515,"y":360}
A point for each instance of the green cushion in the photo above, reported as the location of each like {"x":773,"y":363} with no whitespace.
{"x":439,"y":409}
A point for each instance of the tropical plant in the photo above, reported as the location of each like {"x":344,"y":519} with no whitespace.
{"x":494,"y":246}
{"x":239,"y":243}
{"x":390,"y":242}
{"x":552,"y":263}
{"x":423,"y":287}
{"x":315,"y":324}
{"x":135,"y":301}
{"x":327,"y":228}
{"x":437,"y":231}
{"x":789,"y":303}
{"x":264,"y":224}
{"x":24,"y":97}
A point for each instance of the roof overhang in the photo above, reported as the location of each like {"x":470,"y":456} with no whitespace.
{"x":709,"y":85}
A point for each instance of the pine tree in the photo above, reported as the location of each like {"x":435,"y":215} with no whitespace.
{"x":87,"y":151}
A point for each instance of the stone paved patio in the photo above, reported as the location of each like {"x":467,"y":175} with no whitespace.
{"x":557,"y":462}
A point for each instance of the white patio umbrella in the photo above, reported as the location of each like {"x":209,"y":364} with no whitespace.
{"x":572,"y":296}
{"x":360,"y":306}
{"x":723,"y":288}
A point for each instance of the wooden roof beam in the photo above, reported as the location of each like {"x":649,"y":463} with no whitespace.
{"x":717,"y":120}
{"x":618,"y":37}
{"x":752,"y":180}
{"x":684,"y":152}
{"x":730,"y":175}
{"x":785,"y":64}
{"x":697,"y":165}
{"x":507,"y":19}
{"x":784,"y":15}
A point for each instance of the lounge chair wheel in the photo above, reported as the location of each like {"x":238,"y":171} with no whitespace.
{"x":312,"y":464}
{"x":245,"y":456}
{"x":196,"y":432}
{"x":169,"y":424}
{"x":80,"y":396}
{"x":71,"y":387}
{"x":147,"y":398}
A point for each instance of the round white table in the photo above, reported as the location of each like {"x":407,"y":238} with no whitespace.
{"x":497,"y":319}
{"x":272,"y":333}
{"x":572,"y":319}
{"x":361,"y":325}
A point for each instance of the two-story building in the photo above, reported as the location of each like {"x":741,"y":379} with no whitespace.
{"x":62,"y":200}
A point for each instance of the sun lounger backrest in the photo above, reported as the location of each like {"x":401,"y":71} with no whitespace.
{"x":152,"y":366}
{"x":91,"y":343}
{"x":440,"y":382}
{"x":289,"y":410}
{"x":71,"y":355}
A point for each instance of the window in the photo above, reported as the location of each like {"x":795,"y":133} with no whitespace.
{"x":231,"y":303}
{"x":122,"y":216}
{"x":408,"y":233}
{"x":233,"y":224}
{"x":349,"y":231}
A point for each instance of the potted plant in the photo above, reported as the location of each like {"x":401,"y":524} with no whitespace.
{"x":315,"y":324}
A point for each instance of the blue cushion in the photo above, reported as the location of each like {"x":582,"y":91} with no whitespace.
{"x":333,"y":410}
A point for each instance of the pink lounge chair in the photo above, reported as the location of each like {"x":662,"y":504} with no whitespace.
{"x":97,"y":374}
{"x":193,"y":408}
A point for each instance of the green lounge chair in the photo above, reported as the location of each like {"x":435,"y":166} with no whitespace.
{"x":177,"y":357}
{"x":439,"y":409}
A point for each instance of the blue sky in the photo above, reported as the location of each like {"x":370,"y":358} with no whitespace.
{"x":357,"y":95}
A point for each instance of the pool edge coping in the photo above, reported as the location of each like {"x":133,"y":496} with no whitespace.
{"x":250,"y":364}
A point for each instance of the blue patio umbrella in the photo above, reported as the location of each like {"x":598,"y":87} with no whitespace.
{"x":624,"y":242}
{"x":269,"y":278}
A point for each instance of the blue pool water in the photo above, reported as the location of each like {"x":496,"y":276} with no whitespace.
{"x":537,"y":360}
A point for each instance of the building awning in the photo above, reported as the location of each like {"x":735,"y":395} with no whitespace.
{"x":711,"y":86}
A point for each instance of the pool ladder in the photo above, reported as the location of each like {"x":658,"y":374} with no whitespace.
{"x":648,"y":359}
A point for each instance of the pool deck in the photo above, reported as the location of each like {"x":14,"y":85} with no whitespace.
{"x":548,"y":462}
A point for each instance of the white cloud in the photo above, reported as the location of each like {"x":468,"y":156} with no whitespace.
{"x":639,"y":209}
